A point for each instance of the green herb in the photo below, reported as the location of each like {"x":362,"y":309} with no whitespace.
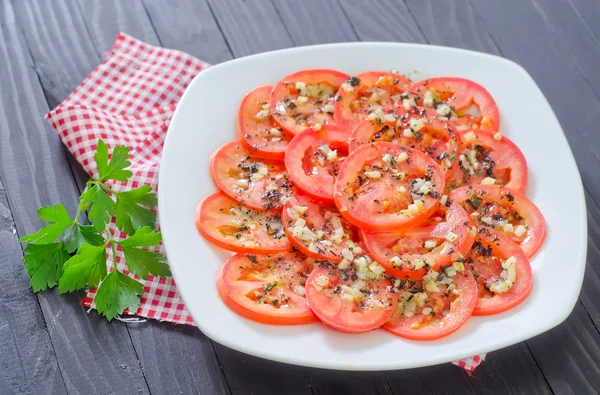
{"x":73,"y":255}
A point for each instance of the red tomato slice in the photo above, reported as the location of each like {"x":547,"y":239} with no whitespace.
{"x":327,"y":233}
{"x":417,"y":128}
{"x":507,"y":210}
{"x":373,"y":305}
{"x":484,"y":156}
{"x":461,"y":94}
{"x":256,"y":130}
{"x":229,"y":225}
{"x":489,"y":253}
{"x":260,"y":184}
{"x":365,"y":93}
{"x":384,"y":187}
{"x":267,"y":288}
{"x":442,"y":312}
{"x":305,"y":98}
{"x":410,"y":253}
{"x":310,"y":162}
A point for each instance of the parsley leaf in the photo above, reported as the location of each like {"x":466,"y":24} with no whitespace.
{"x":116,"y":293}
{"x":130,"y":213}
{"x":141,"y":262}
{"x":83,"y":234}
{"x":115,"y":168}
{"x":59,"y":219}
{"x":88,"y":267}
{"x":44,"y":263}
{"x":101,"y":206}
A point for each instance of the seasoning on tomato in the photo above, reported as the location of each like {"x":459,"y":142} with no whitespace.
{"x":384,"y":187}
{"x":261,"y":184}
{"x":313,"y":159}
{"x":507,"y":210}
{"x":229,"y":225}
{"x":367,"y":93}
{"x":305,"y":99}
{"x":267,"y":288}
{"x":256,"y":130}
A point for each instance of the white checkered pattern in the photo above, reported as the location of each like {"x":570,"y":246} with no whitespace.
{"x":129,"y":100}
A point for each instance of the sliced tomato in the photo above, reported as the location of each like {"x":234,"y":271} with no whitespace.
{"x":442,"y":311}
{"x":256,"y":130}
{"x":372,"y":305}
{"x":317,"y":229}
{"x":305,"y":98}
{"x":506,"y":210}
{"x":417,"y":128}
{"x":489,"y":155}
{"x":313,"y":159}
{"x":365,"y":93}
{"x":490,"y":252}
{"x":267,"y":288}
{"x":460,"y":94}
{"x":411,"y":252}
{"x":384,"y":187}
{"x":261,"y":184}
{"x":229,"y":225}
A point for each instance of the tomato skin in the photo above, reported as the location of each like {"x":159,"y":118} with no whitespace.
{"x":460,"y":311}
{"x":228,"y":162}
{"x":339,"y":314}
{"x":235,"y":283}
{"x":255,"y":135}
{"x":462,"y":93}
{"x":316,"y":217}
{"x":508,"y":164}
{"x":300,"y":160}
{"x":213,"y":220}
{"x":391,"y":84}
{"x":286,"y":87}
{"x":495,"y":199}
{"x":504,"y":248}
{"x":407,"y":244}
{"x":363,"y":207}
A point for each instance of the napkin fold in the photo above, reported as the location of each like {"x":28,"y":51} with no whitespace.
{"x":129,"y":99}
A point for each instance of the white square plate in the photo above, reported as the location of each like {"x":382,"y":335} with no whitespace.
{"x":205,"y":119}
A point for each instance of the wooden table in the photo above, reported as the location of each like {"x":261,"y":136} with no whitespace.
{"x":48,"y":344}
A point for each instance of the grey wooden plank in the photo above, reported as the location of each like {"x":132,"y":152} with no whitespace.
{"x":30,"y":365}
{"x":188,"y":25}
{"x":250,"y":26}
{"x":315,"y":21}
{"x":91,"y":353}
{"x":177,"y":359}
{"x":588,"y":11}
{"x":542,"y":57}
{"x":105,"y":19}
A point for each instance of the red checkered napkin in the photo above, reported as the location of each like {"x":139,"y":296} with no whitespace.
{"x":129,"y":100}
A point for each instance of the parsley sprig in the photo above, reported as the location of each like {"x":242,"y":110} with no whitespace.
{"x":73,"y":255}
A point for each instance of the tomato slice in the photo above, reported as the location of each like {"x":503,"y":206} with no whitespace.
{"x":384,"y":187}
{"x":365,"y":93}
{"x":347,"y":304}
{"x":507,"y":210}
{"x":417,"y":128}
{"x":267,"y":288}
{"x":502,"y":271}
{"x":429,"y":312}
{"x":461,"y":95}
{"x":260,"y":184}
{"x":256,"y":130}
{"x":229,"y":225}
{"x":305,"y":98}
{"x":489,"y":155}
{"x":410,"y":253}
{"x":313,"y":160}
{"x":317,"y":229}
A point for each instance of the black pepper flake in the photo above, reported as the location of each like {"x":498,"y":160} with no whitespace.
{"x":354,"y":81}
